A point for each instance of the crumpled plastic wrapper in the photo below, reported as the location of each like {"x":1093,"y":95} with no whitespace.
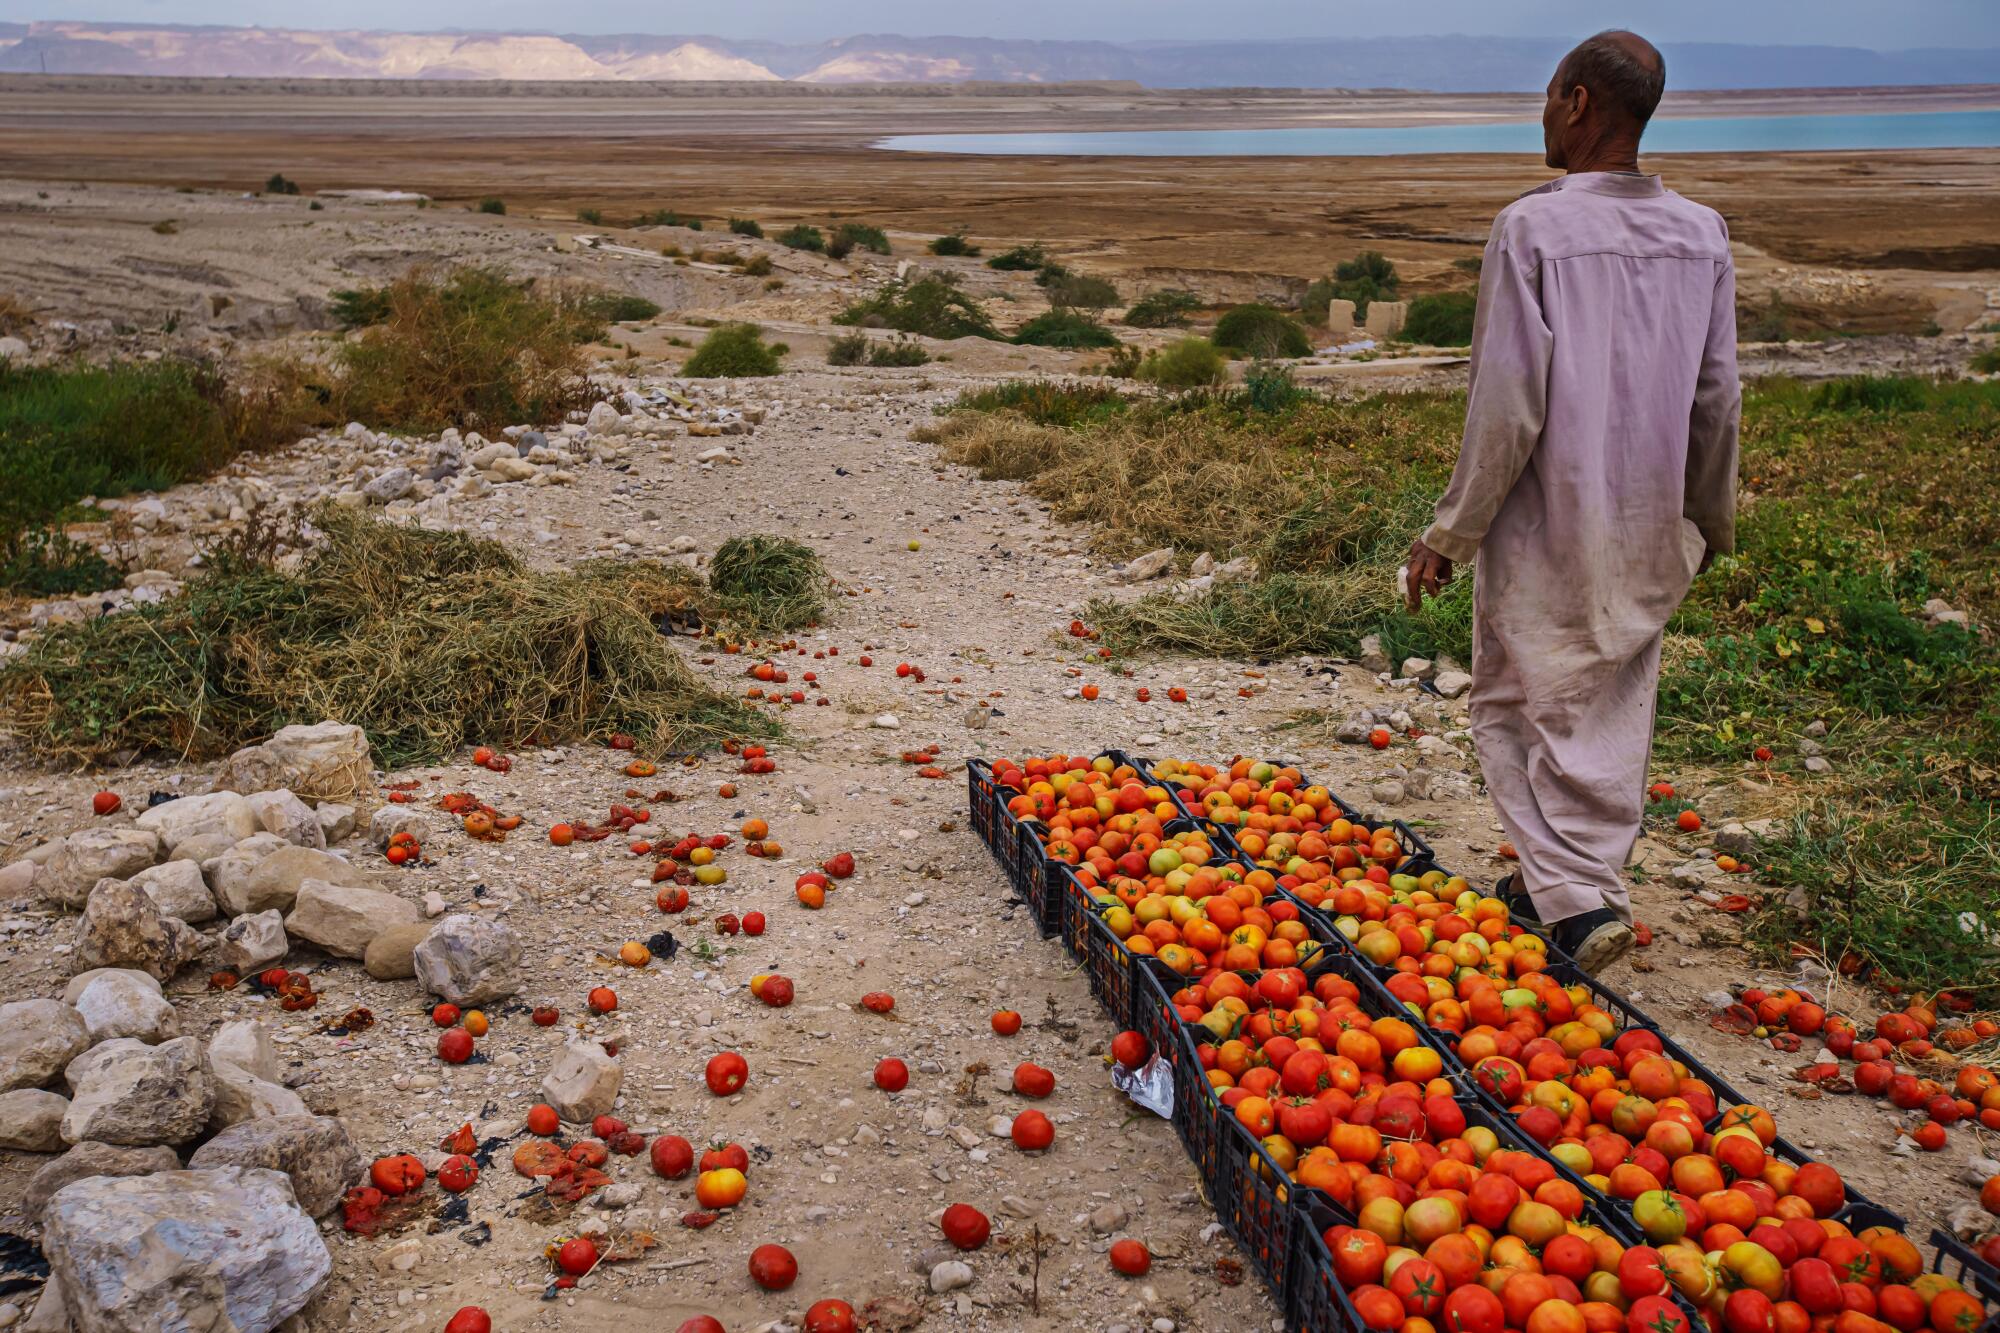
{"x":1151,"y":1085}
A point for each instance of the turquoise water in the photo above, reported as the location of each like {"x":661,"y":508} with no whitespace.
{"x":1719,"y":134}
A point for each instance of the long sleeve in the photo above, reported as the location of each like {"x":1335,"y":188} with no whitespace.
{"x":1709,"y":500}
{"x":1505,"y":404}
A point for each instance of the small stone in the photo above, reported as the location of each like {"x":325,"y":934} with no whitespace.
{"x":584,"y":1082}
{"x":391,"y":956}
{"x":886,"y":722}
{"x":1374,"y":659}
{"x":1451,"y":684}
{"x":314,"y":1152}
{"x":216,"y":812}
{"x":469,"y":960}
{"x":120,"y":1003}
{"x":280,"y":812}
{"x":82,"y":860}
{"x":252,"y":942}
{"x":344,"y":920}
{"x":1417,"y":668}
{"x":1148,"y":566}
{"x":1388,"y":792}
{"x":951,"y":1275}
{"x":1107,"y":1219}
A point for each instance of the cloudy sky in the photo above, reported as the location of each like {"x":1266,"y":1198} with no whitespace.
{"x":1881,"y":24}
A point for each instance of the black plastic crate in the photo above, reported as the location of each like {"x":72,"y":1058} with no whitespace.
{"x":1956,"y":1260}
{"x":1012,"y":844}
{"x":1107,"y":963}
{"x":1252,"y":1196}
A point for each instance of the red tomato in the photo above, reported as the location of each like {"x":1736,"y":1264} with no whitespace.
{"x":445,"y":1015}
{"x":1133,"y":1259}
{"x":607,"y":1126}
{"x":469,"y":1319}
{"x":1033,"y":1131}
{"x":773,"y":1268}
{"x":577,"y":1257}
{"x":1131,"y":1049}
{"x":1006,"y":1022}
{"x":1031,"y":1080}
{"x":401,"y":1174}
{"x":458,"y":1174}
{"x":702,"y":1323}
{"x":727,"y":1073}
{"x":672,"y":1156}
{"x":601,"y":1000}
{"x":892,"y":1075}
{"x":455,"y":1046}
{"x":965,"y":1226}
{"x":753,"y":923}
{"x":106,"y":802}
{"x":545,"y":1016}
{"x":830,"y":1316}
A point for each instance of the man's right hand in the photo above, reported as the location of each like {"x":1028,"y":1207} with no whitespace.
{"x":1429,"y":572}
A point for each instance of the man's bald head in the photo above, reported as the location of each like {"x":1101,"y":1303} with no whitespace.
{"x":1600,"y":99}
{"x":1624,"y":72}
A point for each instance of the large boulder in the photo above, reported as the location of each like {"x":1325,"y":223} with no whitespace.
{"x":584,"y":1083}
{"x":469,"y":960}
{"x":392,"y":955}
{"x":93,"y":1159}
{"x":38,"y":1039}
{"x":82,"y":859}
{"x":229,"y":874}
{"x":177,"y":889}
{"x":286,"y":815}
{"x":203,"y":847}
{"x":81,"y":982}
{"x":274,"y":880}
{"x":120,"y":1003}
{"x":327,"y":761}
{"x":121,"y":928}
{"x":228,"y":1248}
{"x":31,"y":1120}
{"x":314,"y":1151}
{"x":154,"y":1094}
{"x":342,"y":919}
{"x":190,"y":816}
{"x":248,"y":1080}
{"x":97,"y":1056}
{"x":252,"y":942}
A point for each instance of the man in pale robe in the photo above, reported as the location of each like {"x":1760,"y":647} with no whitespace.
{"x":1597,"y":477}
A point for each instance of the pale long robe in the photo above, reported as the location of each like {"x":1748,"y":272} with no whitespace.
{"x":1599,"y":460}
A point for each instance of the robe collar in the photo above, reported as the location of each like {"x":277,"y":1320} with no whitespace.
{"x":1616,"y":183}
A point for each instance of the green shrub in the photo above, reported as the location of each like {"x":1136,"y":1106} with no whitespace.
{"x":1165,"y":308}
{"x":746,"y":227}
{"x":75,"y":430}
{"x":733,"y":351}
{"x":898,"y":351}
{"x":473,"y":348}
{"x":667,"y":217}
{"x":848,"y":349}
{"x":1315,"y":305}
{"x":869,"y":238}
{"x":1369,"y":276}
{"x":1046,"y":402}
{"x":277,"y":184}
{"x":755,"y":266}
{"x":166,"y":227}
{"x":1081,"y":292}
{"x":1271,"y":389}
{"x":839,"y":246}
{"x":803,"y":237}
{"x":498,"y":207}
{"x":1065,"y":329}
{"x":933,"y":306}
{"x":1020,"y":259}
{"x":1986,"y":361}
{"x":616,"y":307}
{"x":359,"y":307}
{"x":590,"y":216}
{"x":1441,"y":319}
{"x":1190,"y":363}
{"x":1872,"y":393}
{"x":46,"y":562}
{"x":1260,"y":331}
{"x":953,"y":244}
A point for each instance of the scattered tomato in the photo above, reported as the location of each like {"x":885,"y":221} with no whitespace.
{"x":672,"y":1156}
{"x":829,"y":1316}
{"x":892,"y":1075}
{"x":965,"y":1226}
{"x":455,"y":1046}
{"x":727,"y":1073}
{"x":1131,"y":1257}
{"x":1032,"y":1131}
{"x":577,"y":1257}
{"x":773,"y":1268}
{"x":1006,"y":1022}
{"x":602,"y":1000}
{"x":106,"y":803}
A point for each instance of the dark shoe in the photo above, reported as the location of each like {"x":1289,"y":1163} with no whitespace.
{"x":1520,"y":907}
{"x":1596,"y":940}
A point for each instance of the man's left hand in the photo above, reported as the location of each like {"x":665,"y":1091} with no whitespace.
{"x":1429,"y":572}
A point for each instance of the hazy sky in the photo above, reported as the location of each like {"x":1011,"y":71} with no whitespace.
{"x":1882,"y":24}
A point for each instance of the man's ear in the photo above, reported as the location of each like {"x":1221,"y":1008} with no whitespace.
{"x":1579,"y":104}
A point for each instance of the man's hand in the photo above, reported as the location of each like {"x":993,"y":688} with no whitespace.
{"x":1429,"y":572}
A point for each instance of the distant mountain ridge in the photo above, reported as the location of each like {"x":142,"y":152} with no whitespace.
{"x":1438,"y":64}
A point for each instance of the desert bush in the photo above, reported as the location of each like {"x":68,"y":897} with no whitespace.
{"x":755,"y":266}
{"x":933,"y":306}
{"x":667,"y":217}
{"x":848,"y":349}
{"x":470,"y":348}
{"x":1872,"y":393}
{"x":839,"y":246}
{"x":1189,"y":363}
{"x":497,"y":207}
{"x":1270,"y":389}
{"x":615,"y":307}
{"x":953,"y":244}
{"x":277,"y":184}
{"x":1020,"y":259}
{"x":1065,"y":329}
{"x":746,"y":227}
{"x":898,"y":352}
{"x":15,"y":314}
{"x":72,"y":431}
{"x":166,"y":227}
{"x":1165,"y":308}
{"x":1441,"y":319}
{"x":1260,"y":331}
{"x":733,"y":351}
{"x":590,"y":216}
{"x":1081,"y":292}
{"x":872,"y":239}
{"x":803,"y":237}
{"x":1046,"y":402}
{"x":428,"y":641}
{"x":1986,"y":361}
{"x":1369,"y":276}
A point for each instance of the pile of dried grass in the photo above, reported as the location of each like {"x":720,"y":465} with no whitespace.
{"x":766,"y":583}
{"x":427,"y":640}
